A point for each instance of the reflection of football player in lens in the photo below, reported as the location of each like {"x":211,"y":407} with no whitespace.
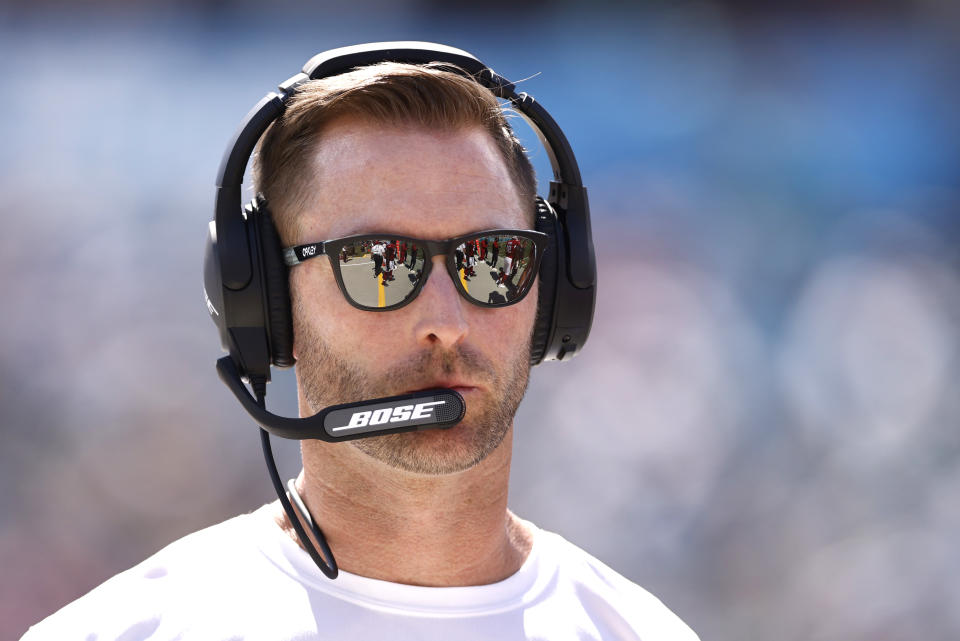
{"x":507,"y":265}
{"x":470,"y":249}
{"x":389,"y":253}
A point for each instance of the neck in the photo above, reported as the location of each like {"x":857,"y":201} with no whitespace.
{"x":388,"y":524}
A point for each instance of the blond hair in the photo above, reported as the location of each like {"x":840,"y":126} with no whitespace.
{"x":428,"y":95}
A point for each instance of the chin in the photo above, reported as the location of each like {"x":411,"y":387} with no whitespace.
{"x":435,"y":452}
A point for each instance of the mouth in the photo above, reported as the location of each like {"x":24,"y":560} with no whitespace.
{"x":458,"y":386}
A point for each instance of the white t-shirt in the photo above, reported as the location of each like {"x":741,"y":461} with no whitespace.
{"x":246,"y":579}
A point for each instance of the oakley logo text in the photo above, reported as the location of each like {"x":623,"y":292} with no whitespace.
{"x":310,"y":250}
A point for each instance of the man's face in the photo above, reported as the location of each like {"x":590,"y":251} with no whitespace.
{"x":413,"y":182}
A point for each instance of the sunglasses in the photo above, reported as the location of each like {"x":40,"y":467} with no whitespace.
{"x":380,"y":272}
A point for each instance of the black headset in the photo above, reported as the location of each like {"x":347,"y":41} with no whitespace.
{"x":245,"y":278}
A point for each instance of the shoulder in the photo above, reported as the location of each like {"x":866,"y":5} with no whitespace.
{"x":156,"y":598}
{"x":615,"y":605}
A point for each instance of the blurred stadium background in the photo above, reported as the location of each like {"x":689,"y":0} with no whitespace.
{"x":774,"y":361}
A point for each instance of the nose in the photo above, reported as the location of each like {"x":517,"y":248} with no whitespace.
{"x":441,"y":322}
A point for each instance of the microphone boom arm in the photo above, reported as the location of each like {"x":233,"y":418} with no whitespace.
{"x":423,"y":410}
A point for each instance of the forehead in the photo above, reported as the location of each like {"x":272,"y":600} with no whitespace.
{"x":409,"y":180}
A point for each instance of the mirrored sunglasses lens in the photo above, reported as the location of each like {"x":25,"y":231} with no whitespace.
{"x":380,"y":272}
{"x":496,"y":269}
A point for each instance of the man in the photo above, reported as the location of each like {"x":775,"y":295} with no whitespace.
{"x":418,"y":521}
{"x":377,"y":253}
{"x":471,"y":251}
{"x":459,"y":257}
{"x":413,"y":256}
{"x":389,"y":255}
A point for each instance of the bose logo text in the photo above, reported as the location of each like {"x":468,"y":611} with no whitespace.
{"x":390,"y":415}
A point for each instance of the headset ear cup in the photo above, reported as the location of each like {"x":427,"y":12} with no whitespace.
{"x":546,"y":222}
{"x":276,"y":284}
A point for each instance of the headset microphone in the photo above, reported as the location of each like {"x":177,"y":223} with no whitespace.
{"x":423,"y":410}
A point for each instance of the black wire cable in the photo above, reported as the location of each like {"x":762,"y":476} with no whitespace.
{"x":329,"y":569}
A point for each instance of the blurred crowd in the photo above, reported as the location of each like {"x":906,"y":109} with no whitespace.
{"x":762,"y":429}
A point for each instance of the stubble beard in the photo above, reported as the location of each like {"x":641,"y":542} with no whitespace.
{"x":327,"y":377}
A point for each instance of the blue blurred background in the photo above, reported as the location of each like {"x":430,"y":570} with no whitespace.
{"x":775,"y":203}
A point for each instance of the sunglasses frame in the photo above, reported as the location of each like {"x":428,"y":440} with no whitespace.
{"x":298,"y":254}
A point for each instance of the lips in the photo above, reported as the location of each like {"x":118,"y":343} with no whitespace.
{"x":459,"y":386}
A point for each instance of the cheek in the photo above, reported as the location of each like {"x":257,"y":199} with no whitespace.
{"x":319,"y":309}
{"x":509,"y":327}
{"x":529,"y":305}
{"x":527,"y":310}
